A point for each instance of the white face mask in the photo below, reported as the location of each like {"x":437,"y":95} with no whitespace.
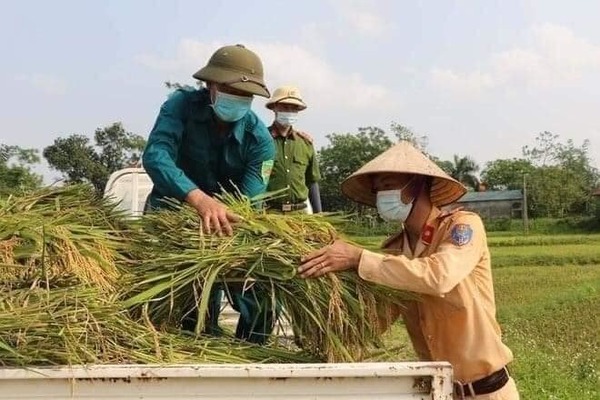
{"x":390,"y":206}
{"x":286,"y":118}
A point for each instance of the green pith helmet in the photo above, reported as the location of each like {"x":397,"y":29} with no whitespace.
{"x":235,"y":66}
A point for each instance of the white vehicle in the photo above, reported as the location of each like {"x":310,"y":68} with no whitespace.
{"x":129,"y":188}
{"x":414,"y":381}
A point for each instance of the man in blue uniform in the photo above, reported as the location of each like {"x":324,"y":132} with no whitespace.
{"x":207,"y":139}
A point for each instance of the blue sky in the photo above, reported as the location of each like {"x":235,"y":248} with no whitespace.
{"x":479,"y":78}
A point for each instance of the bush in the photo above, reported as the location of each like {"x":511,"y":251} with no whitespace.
{"x":498,"y":224}
{"x":369,"y":225}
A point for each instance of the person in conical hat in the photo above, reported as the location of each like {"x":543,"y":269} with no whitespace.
{"x":442,"y":256}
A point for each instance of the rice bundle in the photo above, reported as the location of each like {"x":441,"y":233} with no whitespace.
{"x":336,"y":317}
{"x":60,"y":236}
{"x":80,"y":325}
{"x":83,"y":284}
{"x":61,"y":261}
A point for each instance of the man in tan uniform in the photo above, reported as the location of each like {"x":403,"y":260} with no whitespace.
{"x":443,"y":256}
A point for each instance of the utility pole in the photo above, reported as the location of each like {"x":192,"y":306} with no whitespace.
{"x":525,"y":216}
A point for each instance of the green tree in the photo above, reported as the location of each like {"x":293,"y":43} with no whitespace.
{"x":15,"y":169}
{"x":81,"y":161}
{"x":404,"y":133}
{"x":581,"y":175}
{"x":563,"y":179}
{"x":344,"y":155}
{"x":445,"y":165}
{"x":464,"y":169}
{"x":177,"y":85}
{"x":545,"y":152}
{"x":506,"y":174}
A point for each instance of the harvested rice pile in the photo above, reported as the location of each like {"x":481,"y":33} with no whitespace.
{"x":336,"y":316}
{"x":79,"y":325}
{"x":82,"y":284}
{"x":60,"y":237}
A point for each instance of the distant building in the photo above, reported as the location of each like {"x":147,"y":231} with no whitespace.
{"x":494,"y":203}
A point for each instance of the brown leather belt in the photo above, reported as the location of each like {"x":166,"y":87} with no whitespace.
{"x":489,"y":384}
{"x":286,"y":207}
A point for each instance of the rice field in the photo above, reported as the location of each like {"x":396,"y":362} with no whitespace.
{"x":548,"y":297}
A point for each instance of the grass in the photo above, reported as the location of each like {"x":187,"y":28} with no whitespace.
{"x":551,"y":322}
{"x":567,"y":254}
{"x":541,"y":240}
{"x":548,"y":297}
{"x":529,"y":250}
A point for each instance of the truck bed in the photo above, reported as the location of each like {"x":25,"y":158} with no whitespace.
{"x":406,"y":380}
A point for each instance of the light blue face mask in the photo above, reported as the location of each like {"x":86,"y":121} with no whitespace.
{"x":390,"y":206}
{"x":286,"y":118}
{"x":231,"y":108}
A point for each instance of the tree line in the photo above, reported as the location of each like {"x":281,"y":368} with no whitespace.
{"x":559,"y":174}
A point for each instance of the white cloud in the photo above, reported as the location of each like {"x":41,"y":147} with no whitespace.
{"x":47,"y":84}
{"x":322,"y":85}
{"x":557,"y":58}
{"x":361,"y":17}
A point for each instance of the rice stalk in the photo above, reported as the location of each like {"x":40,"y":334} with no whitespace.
{"x":79,"y":325}
{"x":61,"y":234}
{"x":175,"y":266}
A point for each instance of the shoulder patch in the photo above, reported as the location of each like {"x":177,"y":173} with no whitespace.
{"x":307,"y":137}
{"x":461,"y":234}
{"x":265,"y":170}
{"x":449,"y":212}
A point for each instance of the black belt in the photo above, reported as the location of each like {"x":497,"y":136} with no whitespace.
{"x":489,"y":384}
{"x":285,"y":207}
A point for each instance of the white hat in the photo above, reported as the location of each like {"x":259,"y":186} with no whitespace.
{"x":402,"y":158}
{"x":286,"y":95}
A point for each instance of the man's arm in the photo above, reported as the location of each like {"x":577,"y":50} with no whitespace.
{"x":159,"y":161}
{"x":162,"y":149}
{"x":314,"y":196}
{"x":437,"y":274}
{"x":259,"y":167}
{"x":312,"y":178}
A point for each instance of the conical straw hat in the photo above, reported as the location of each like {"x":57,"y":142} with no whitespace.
{"x":402,"y":158}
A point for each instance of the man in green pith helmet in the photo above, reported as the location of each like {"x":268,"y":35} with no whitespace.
{"x":207,"y":139}
{"x":296,"y":167}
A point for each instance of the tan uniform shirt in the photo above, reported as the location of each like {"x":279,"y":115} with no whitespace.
{"x":455,"y":320}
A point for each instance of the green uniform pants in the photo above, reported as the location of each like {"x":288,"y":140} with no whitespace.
{"x":257,"y":314}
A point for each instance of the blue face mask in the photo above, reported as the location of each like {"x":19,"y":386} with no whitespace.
{"x":231,"y":108}
{"x":390,"y":206}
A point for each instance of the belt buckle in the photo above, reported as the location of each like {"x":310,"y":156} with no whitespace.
{"x":459,"y":389}
{"x":286,"y":207}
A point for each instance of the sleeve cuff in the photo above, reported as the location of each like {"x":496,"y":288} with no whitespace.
{"x":369,"y":265}
{"x":184,"y":188}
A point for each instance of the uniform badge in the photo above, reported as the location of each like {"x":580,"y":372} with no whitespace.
{"x":461,"y":234}
{"x":265,"y":170}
